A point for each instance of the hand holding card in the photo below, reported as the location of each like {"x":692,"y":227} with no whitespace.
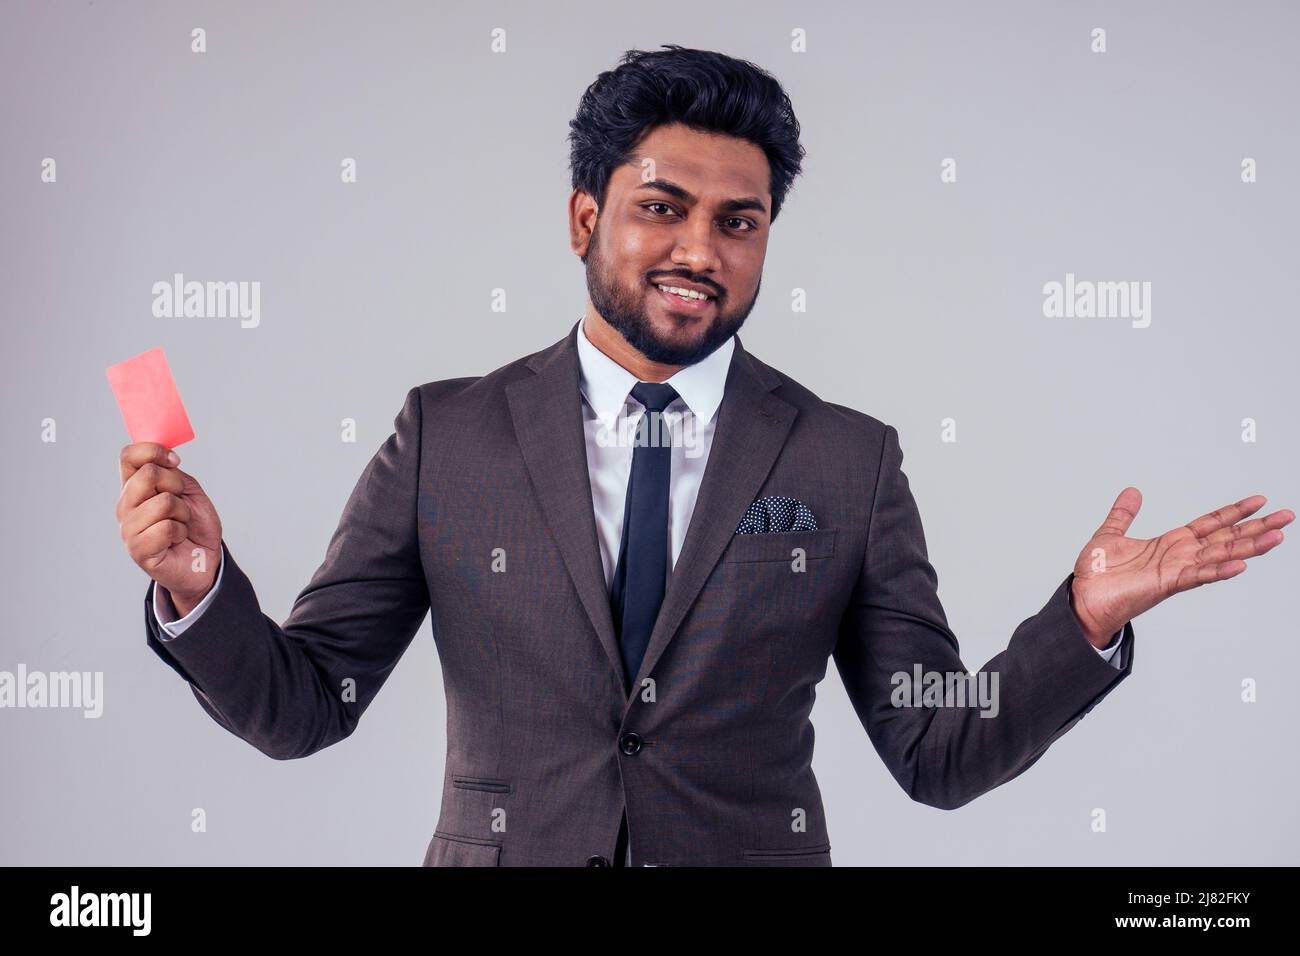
{"x":169,"y":525}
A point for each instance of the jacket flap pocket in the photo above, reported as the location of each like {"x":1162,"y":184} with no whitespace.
{"x":447,"y":849}
{"x":811,"y":856}
{"x":480,"y":783}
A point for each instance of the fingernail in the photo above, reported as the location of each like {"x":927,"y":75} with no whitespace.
{"x":173,"y":458}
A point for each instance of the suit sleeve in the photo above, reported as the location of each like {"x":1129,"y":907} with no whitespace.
{"x":1048,"y":677}
{"x":295,"y":689}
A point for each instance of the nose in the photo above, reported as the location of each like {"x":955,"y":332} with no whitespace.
{"x":696,"y":247}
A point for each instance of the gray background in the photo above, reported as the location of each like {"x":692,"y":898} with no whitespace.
{"x":925,"y":301}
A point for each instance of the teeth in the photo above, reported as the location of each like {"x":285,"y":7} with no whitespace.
{"x":684,"y":293}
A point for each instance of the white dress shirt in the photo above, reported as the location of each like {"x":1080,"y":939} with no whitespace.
{"x":610,"y":416}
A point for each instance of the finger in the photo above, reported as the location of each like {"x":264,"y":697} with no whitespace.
{"x":1248,"y":529}
{"x":148,"y":480}
{"x":1240,"y":548}
{"x":1209,"y":573}
{"x":149,"y":547}
{"x":1225,"y":516}
{"x":141,"y":453}
{"x":158,"y":508}
{"x":1122,"y":512}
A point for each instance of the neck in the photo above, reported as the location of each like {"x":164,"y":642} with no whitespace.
{"x":607,"y":338}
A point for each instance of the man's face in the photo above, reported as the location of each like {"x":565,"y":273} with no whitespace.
{"x":698,"y":218}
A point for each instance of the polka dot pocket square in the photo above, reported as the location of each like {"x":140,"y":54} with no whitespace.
{"x":776,"y":513}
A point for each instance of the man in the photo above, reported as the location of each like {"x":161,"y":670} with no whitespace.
{"x":641,"y":547}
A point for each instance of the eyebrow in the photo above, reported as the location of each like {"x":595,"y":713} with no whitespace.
{"x":730,"y":205}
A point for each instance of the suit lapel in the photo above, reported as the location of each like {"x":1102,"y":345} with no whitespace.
{"x":752,"y":428}
{"x":547,"y":413}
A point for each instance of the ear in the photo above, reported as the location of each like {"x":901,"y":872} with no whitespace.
{"x":582,"y":221}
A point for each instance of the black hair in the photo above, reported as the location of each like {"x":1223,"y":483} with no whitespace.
{"x":706,"y":91}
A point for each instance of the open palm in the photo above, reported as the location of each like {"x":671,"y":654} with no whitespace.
{"x":1118,"y":577}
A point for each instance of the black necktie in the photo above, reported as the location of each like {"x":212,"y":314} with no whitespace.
{"x":638,"y":587}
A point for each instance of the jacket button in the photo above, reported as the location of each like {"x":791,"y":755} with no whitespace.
{"x":597,"y":861}
{"x":629,"y":743}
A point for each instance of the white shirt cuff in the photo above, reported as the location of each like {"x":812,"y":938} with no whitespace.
{"x":1110,"y":654}
{"x":164,"y":611}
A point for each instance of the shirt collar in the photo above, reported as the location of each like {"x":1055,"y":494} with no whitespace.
{"x":606,"y":385}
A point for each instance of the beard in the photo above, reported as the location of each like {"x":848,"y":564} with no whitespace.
{"x":625,"y":309}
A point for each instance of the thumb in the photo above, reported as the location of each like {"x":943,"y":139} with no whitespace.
{"x":1122,"y":512}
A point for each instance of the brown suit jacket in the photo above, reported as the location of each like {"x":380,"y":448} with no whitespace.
{"x":711,"y":755}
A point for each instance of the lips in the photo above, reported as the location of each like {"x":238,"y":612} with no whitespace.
{"x":683,"y":284}
{"x":679,"y":304}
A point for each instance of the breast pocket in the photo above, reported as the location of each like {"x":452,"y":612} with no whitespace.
{"x":781,"y":546}
{"x":777,"y":595}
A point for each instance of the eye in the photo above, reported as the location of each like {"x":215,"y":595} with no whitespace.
{"x":745,"y":225}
